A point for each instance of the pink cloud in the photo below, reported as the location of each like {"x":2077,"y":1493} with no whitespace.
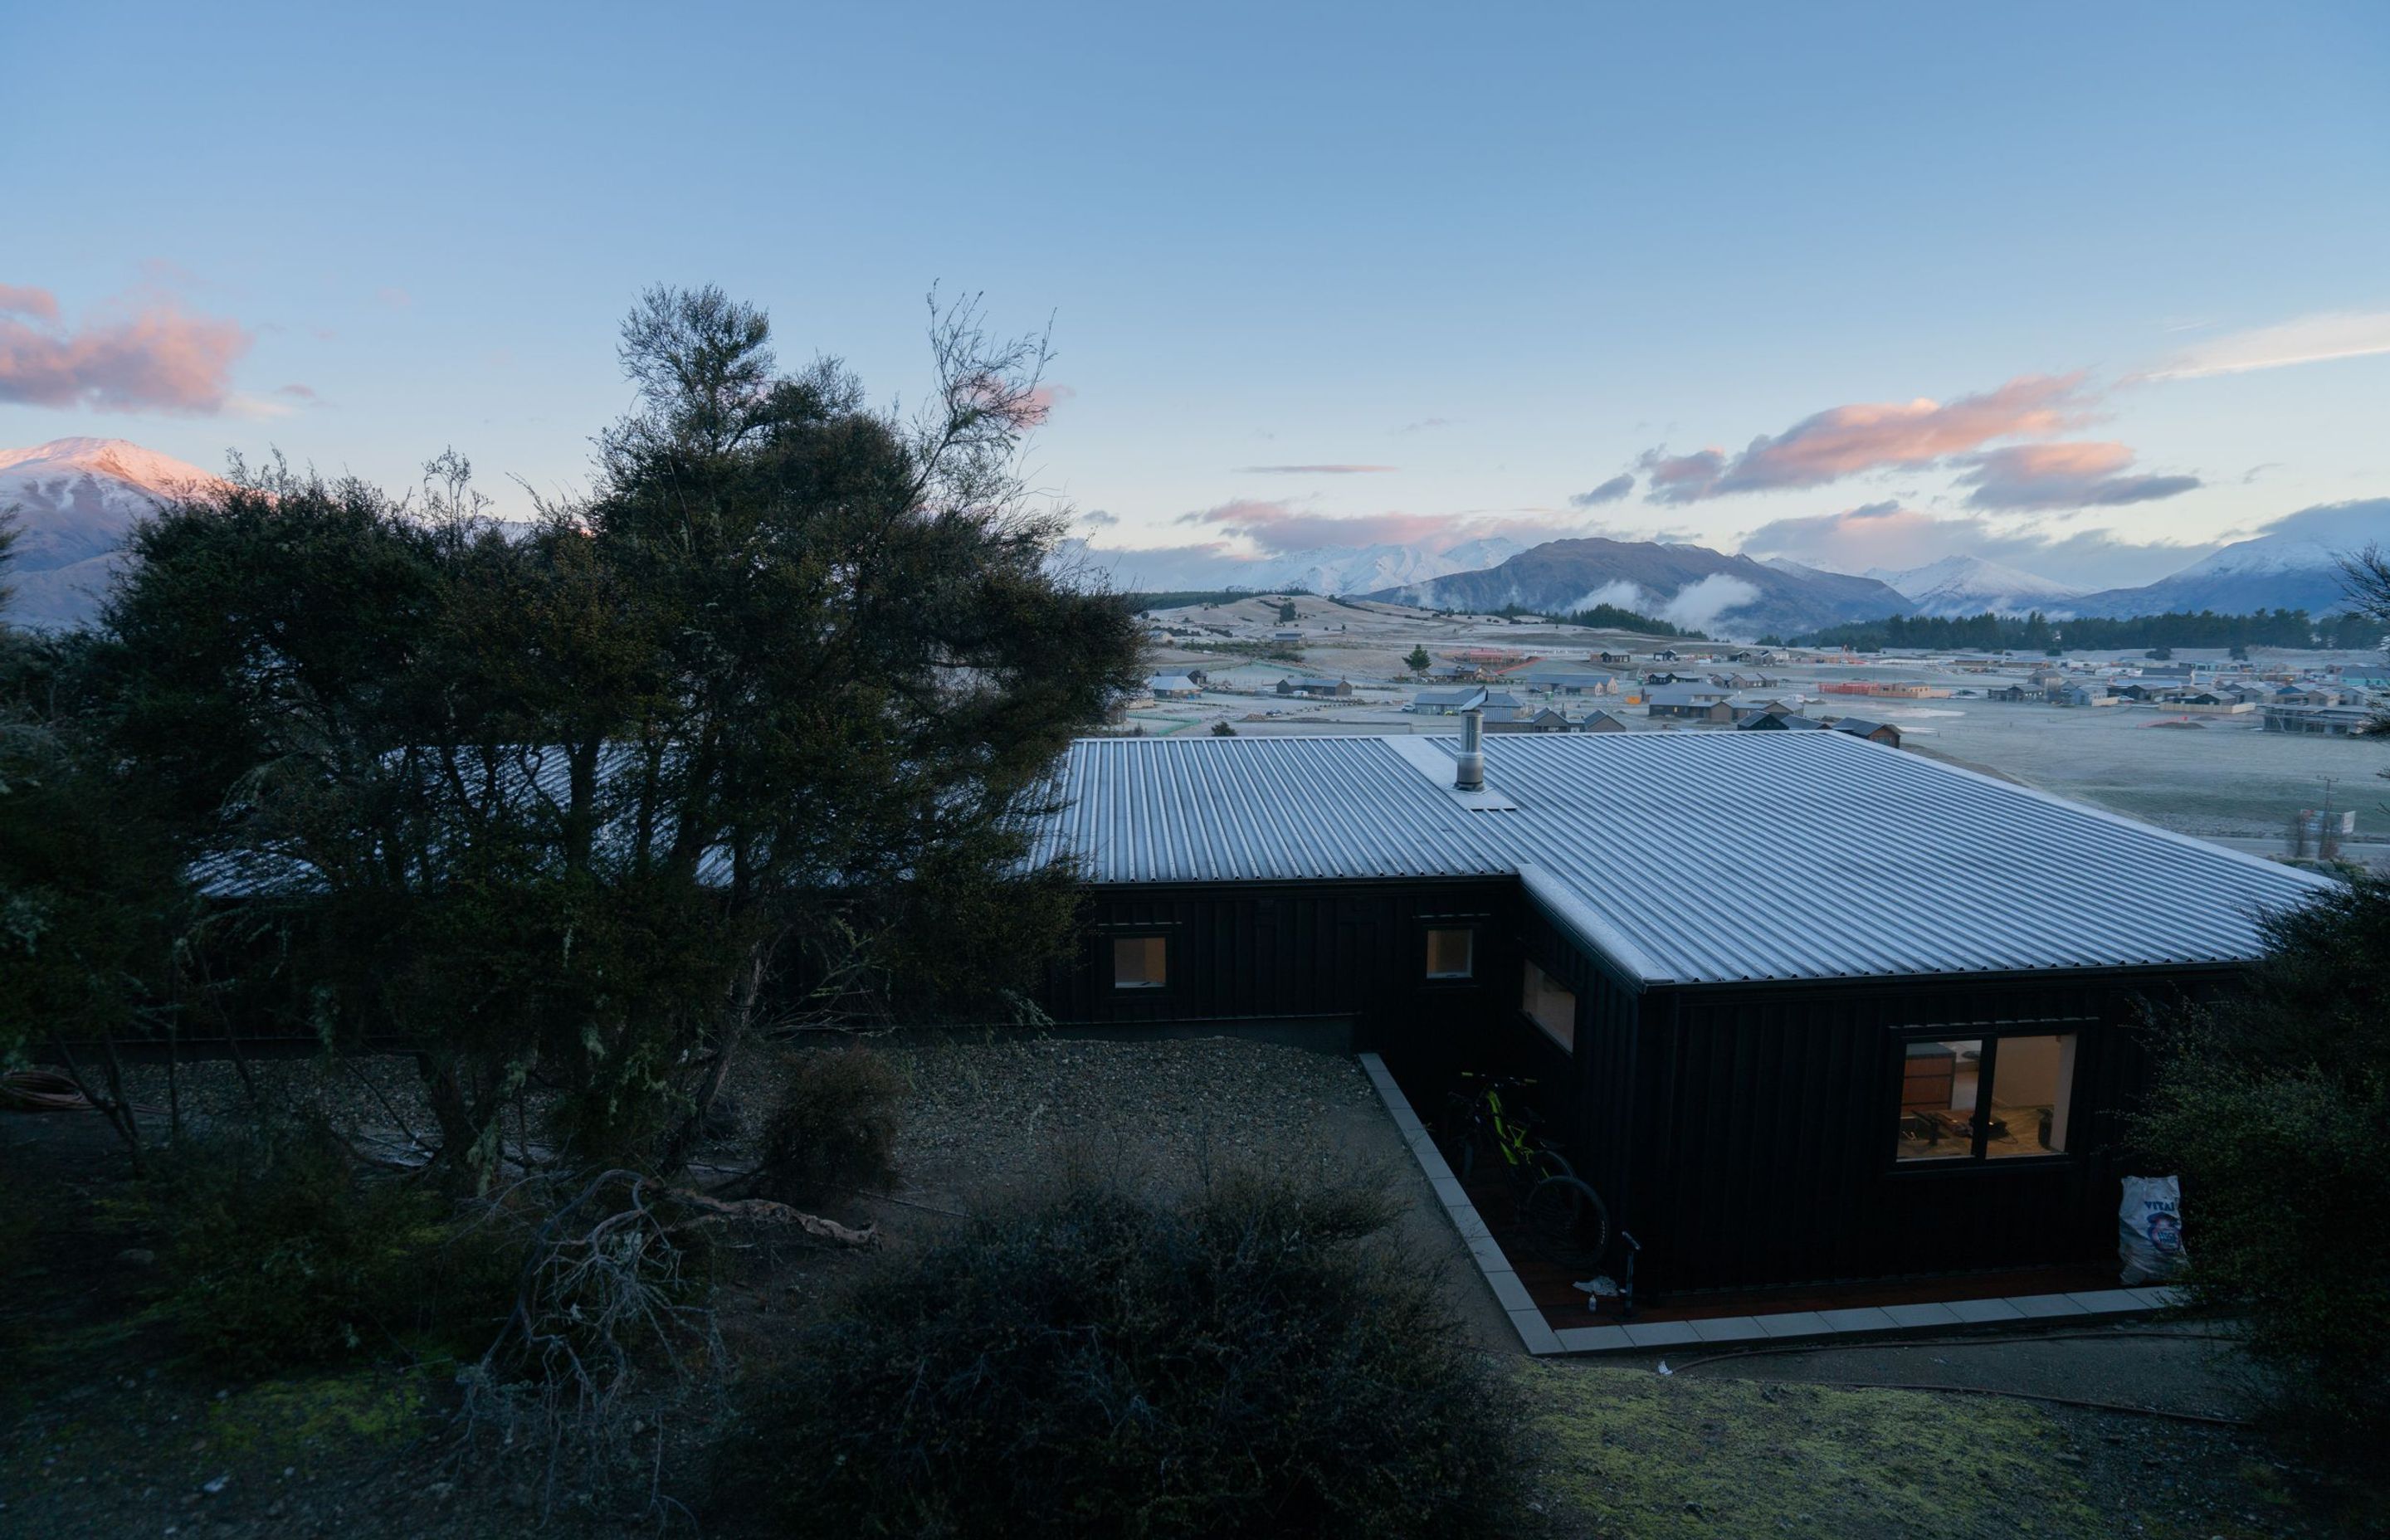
{"x":39,"y":304}
{"x":1844,"y":441}
{"x":152,"y":358}
{"x":2077,"y":475}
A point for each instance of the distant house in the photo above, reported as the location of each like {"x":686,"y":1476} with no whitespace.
{"x":1874,"y":732}
{"x":1451,"y":702}
{"x":2014,"y":693}
{"x":1616,"y":660}
{"x":1689,"y":703}
{"x":1172,"y":686}
{"x":2084,"y":695}
{"x":1665,"y":655}
{"x":1603,"y":722}
{"x":1316,"y":687}
{"x":1775,"y":722}
{"x":1572,"y":682}
{"x":1500,"y":703}
{"x":1548,"y":720}
{"x":1456,"y":673}
{"x":1286,"y":635}
{"x":2323,"y":721}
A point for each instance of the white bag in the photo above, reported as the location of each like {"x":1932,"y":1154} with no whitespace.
{"x":2149,"y":1229}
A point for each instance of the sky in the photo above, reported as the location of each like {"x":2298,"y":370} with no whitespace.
{"x":2082,"y":288}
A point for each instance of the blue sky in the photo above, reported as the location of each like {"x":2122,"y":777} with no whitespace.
{"x":1510,"y":253}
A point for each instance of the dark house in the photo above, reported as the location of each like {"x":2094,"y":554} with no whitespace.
{"x":1689,"y":703}
{"x":1874,"y":732}
{"x":1316,"y":687}
{"x":1804,"y":1010}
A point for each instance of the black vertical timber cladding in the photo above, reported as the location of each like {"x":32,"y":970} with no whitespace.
{"x":1743,"y":1132}
{"x":1279,"y":951}
{"x":1765,"y":1127}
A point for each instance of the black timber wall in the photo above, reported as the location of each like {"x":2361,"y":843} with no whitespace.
{"x":1332,"y":952}
{"x":1766,"y":1120}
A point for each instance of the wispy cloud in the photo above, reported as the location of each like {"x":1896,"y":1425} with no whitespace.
{"x":142,"y":355}
{"x":1312,"y":470}
{"x":39,"y":304}
{"x":1610,"y":491}
{"x":1276,"y":527}
{"x":2308,"y":340}
{"x":1889,"y":535}
{"x":1424,"y":425}
{"x":1845,"y":441}
{"x":2082,"y":474}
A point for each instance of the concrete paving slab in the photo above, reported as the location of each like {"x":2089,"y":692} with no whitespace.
{"x":1794,"y":1323}
{"x":1729,"y":1328}
{"x":1652,"y":1334}
{"x":2035,"y":1306}
{"x":1865,"y":1319}
{"x":1915,"y":1315}
{"x":1979,"y":1312}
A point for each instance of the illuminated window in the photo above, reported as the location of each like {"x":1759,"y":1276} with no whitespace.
{"x":1549,"y":1007}
{"x":1140,"y":962}
{"x":1451,"y":954}
{"x":1984,"y":1098}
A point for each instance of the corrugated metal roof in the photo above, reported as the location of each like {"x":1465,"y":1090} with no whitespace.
{"x":1700,"y":857}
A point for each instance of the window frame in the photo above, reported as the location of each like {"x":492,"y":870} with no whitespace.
{"x":1427,"y":942}
{"x":1978,"y":1160}
{"x":1550,"y":1038}
{"x":1117,"y":990}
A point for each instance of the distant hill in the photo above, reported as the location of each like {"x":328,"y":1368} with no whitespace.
{"x":2295,"y":565}
{"x":1687,"y":585}
{"x":74,"y":500}
{"x":1343,"y":572}
{"x":1971,"y":586}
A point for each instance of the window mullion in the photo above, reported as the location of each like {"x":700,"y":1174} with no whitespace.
{"x":1981,"y":1128}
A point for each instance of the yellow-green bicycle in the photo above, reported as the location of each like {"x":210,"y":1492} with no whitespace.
{"x":1488,"y":1124}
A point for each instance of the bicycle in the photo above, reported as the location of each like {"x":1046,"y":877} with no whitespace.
{"x":1565,"y":1220}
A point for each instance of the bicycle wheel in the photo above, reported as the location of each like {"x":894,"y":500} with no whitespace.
{"x":1547,"y":1163}
{"x":1566,"y":1222}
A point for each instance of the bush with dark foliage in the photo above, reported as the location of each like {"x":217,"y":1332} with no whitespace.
{"x":279,"y":1254}
{"x":835,"y":1126}
{"x":2275,"y":1107}
{"x":1256,"y":1361}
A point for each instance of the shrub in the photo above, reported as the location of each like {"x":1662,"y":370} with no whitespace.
{"x":2272,"y":1105}
{"x":835,"y":1125}
{"x":279,"y":1254}
{"x":1254,"y":1362}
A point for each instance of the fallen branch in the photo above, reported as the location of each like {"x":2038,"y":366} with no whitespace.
{"x":760,"y":1211}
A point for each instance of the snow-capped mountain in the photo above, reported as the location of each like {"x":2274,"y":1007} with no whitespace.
{"x":1364,"y":571}
{"x":2295,"y":565}
{"x":1327,"y":569}
{"x":73,"y":500}
{"x":1970,"y":585}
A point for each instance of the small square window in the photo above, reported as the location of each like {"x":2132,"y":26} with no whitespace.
{"x":1140,"y":962}
{"x":1451,"y":953}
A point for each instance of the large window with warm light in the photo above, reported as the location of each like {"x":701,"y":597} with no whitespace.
{"x":1989,"y":1098}
{"x":1549,"y":1007}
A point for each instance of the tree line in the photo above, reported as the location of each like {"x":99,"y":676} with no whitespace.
{"x":2037,"y":633}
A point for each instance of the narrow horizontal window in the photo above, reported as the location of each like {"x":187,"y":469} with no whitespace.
{"x":1451,"y":954}
{"x":1140,"y":962}
{"x":1549,"y":1007}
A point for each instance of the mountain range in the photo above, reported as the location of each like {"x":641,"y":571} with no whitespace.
{"x":1970,"y":585}
{"x":1687,"y":585}
{"x":74,"y":500}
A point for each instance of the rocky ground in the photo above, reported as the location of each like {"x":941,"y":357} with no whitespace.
{"x":106,"y":1428}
